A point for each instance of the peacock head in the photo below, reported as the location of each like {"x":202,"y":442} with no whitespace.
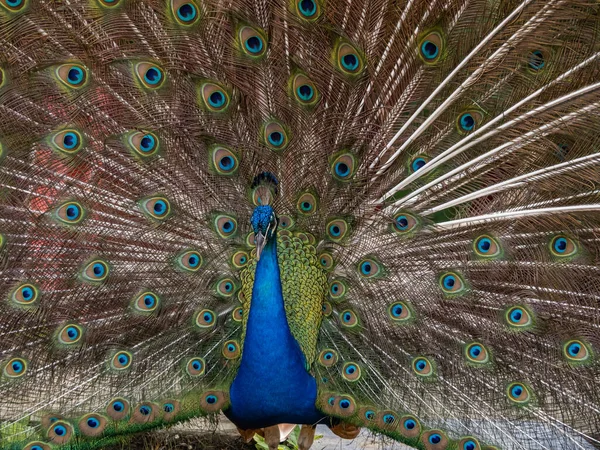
{"x":264,"y":223}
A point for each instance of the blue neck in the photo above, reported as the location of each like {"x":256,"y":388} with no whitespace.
{"x":272,"y":385}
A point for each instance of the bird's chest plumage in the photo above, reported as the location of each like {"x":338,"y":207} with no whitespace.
{"x":283,"y":295}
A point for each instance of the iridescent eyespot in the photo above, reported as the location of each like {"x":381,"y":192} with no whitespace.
{"x":307,"y":204}
{"x":186,"y":12}
{"x":348,"y":318}
{"x":369,"y":415}
{"x":146,"y":302}
{"x":410,"y":426}
{"x":72,"y":75}
{"x":536,"y":61}
{"x":576,"y":351}
{"x":337,"y":289}
{"x":518,"y":393}
{"x":434,"y":440}
{"x":205,"y":319}
{"x":226,"y":226}
{"x":37,"y":445}
{"x":370,"y":268}
{"x":96,"y":271}
{"x":214,"y":97}
{"x":343,"y":167}
{"x":275,"y":136}
{"x":518,"y":317}
{"x":67,"y":141}
{"x":70,"y":213}
{"x":476,"y":353}
{"x":286,"y":222}
{"x":326,"y":261}
{"x":144,"y":413}
{"x":195,"y":367}
{"x":240,"y":259}
{"x":469,"y":443}
{"x":238,"y":314}
{"x":226,"y":287}
{"x":15,"y":368}
{"x":144,"y":144}
{"x":404,"y":223}
{"x":327,"y":309}
{"x":348,"y":59}
{"x":150,"y":75}
{"x":304,"y":90}
{"x":157,"y":208}
{"x":422,"y":366}
{"x":400,"y":312}
{"x":351,"y":372}
{"x":452,"y":283}
{"x":231,"y":349}
{"x":213,"y":401}
{"x":308,"y":9}
{"x":60,"y":432}
{"x":109,"y":3}
{"x":468,"y":121}
{"x":252,"y":42}
{"x":223,"y":160}
{"x":13,"y":6}
{"x":92,"y":425}
{"x":387,"y":420}
{"x":562,"y":246}
{"x":431,"y":47}
{"x":417,"y":163}
{"x":190,"y":261}
{"x":337,"y":230}
{"x":328,"y":357}
{"x":25,"y":294}
{"x":486,"y":246}
{"x":70,"y":334}
{"x":118,"y":408}
{"x":121,"y":360}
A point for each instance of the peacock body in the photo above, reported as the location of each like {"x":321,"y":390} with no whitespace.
{"x":376,"y":214}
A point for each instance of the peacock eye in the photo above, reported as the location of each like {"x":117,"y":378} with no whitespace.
{"x":348,"y":318}
{"x":351,"y":372}
{"x":469,"y":443}
{"x":518,"y":317}
{"x":37,"y":445}
{"x":240,"y":259}
{"x":370,"y":268}
{"x":304,"y":90}
{"x":224,"y":161}
{"x":185,"y":12}
{"x":468,"y":121}
{"x":477,"y":353}
{"x":96,"y":271}
{"x":72,"y":75}
{"x":70,"y":334}
{"x":121,"y":360}
{"x":15,"y":368}
{"x":349,"y":61}
{"x":536,"y":61}
{"x":118,"y":408}
{"x":404,"y":223}
{"x":205,"y":319}
{"x":252,"y":42}
{"x":308,"y":9}
{"x":410,"y":426}
{"x":226,"y":226}
{"x":13,"y":6}
{"x":275,"y":136}
{"x":400,"y":312}
{"x":190,"y":261}
{"x":452,"y":283}
{"x":328,"y":358}
{"x":343,"y":167}
{"x":422,"y":366}
{"x":518,"y":393}
{"x":25,"y":294}
{"x":307,"y":204}
{"x":562,"y":246}
{"x":144,"y":144}
{"x":231,"y":349}
{"x":337,"y":230}
{"x":226,"y":287}
{"x":430,"y":47}
{"x":92,"y":424}
{"x":146,"y":302}
{"x":195,"y":367}
{"x":214,"y":97}
{"x":70,"y":213}
{"x":67,"y":141}
{"x":157,"y":208}
{"x":337,"y":289}
{"x":486,"y":246}
{"x":150,"y":75}
{"x":60,"y":432}
{"x":417,"y":163}
{"x":576,"y":351}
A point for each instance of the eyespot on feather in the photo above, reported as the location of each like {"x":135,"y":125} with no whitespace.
{"x":307,"y":204}
{"x":348,"y":318}
{"x":327,"y":309}
{"x":214,"y":97}
{"x":326,"y":261}
{"x":404,"y":223}
{"x":185,"y":12}
{"x":452,"y":283}
{"x":118,"y":408}
{"x":469,"y":121}
{"x":96,"y":271}
{"x":423,"y":367}
{"x":224,"y":161}
{"x":238,"y":314}
{"x":190,"y":261}
{"x":205,"y":319}
{"x":171,"y":409}
{"x":400,"y":312}
{"x":37,"y":445}
{"x":72,"y":75}
{"x":150,"y":75}
{"x":576,"y":351}
{"x":225,"y":225}
{"x":431,"y":47}
{"x":275,"y":136}
{"x":309,"y":10}
{"x":418,"y":162}
{"x":518,"y":393}
{"x":92,"y":425}
{"x":231,"y":349}
{"x":286,"y":222}
{"x":562,"y":246}
{"x":240,"y":259}
{"x":348,"y":59}
{"x":70,"y":334}
{"x":156,"y":208}
{"x":146,"y":303}
{"x":387,"y":420}
{"x":518,"y":317}
{"x":337,"y":230}
{"x":26,"y":294}
{"x":15,"y":367}
{"x":485,"y":246}
{"x":536,"y":61}
{"x":370,"y":268}
{"x":195,"y":367}
{"x":67,"y":142}
{"x":226,"y":287}
{"x":434,"y":440}
{"x":328,"y":357}
{"x":121,"y":360}
{"x":469,"y":443}
{"x":409,"y":427}
{"x":252,"y":42}
{"x":337,"y":289}
{"x":60,"y":432}
{"x":70,"y":213}
{"x":145,"y":412}
{"x":304,"y":91}
{"x":143,"y":143}
{"x":476,"y":353}
{"x":213,"y":401}
{"x":351,"y":372}
{"x":343,"y":166}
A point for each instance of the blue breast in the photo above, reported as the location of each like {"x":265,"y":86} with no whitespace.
{"x":272,"y":385}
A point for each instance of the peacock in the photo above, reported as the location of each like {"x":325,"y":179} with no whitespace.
{"x":373,"y":215}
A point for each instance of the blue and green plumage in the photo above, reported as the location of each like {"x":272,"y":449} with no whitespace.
{"x":378,"y":214}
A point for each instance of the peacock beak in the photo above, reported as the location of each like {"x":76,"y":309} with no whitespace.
{"x":261,"y":241}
